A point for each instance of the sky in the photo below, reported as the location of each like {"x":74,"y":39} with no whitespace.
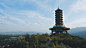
{"x":39,"y":15}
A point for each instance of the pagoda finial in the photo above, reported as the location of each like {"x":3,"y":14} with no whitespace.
{"x":58,"y":7}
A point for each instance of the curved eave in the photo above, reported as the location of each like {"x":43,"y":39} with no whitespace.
{"x":59,"y":28}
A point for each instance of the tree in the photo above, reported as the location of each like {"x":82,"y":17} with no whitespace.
{"x":19,"y":44}
{"x":27,"y":37}
{"x":53,"y":46}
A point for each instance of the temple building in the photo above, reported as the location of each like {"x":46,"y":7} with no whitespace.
{"x":59,"y":28}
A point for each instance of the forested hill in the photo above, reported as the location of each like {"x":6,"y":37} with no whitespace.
{"x":45,"y":41}
{"x":79,"y":31}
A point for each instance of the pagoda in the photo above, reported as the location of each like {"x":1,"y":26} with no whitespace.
{"x":59,"y":28}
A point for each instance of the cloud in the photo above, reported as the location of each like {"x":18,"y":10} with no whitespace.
{"x":29,"y":19}
{"x":17,"y":19}
{"x":77,"y":23}
{"x":42,"y":4}
{"x":5,"y":6}
{"x":34,"y":16}
{"x":41,"y":14}
{"x":78,"y":5}
{"x":76,"y":15}
{"x":5,"y":22}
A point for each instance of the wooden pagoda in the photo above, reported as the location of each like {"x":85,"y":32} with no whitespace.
{"x":59,"y":28}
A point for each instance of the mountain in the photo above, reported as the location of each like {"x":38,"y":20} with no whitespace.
{"x":76,"y":30}
{"x":81,"y":34}
{"x":79,"y":31}
{"x":20,"y":33}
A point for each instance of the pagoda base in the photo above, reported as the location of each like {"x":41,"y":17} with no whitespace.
{"x":59,"y":30}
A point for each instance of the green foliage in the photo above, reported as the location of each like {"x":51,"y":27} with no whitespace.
{"x":44,"y":41}
{"x":61,"y":44}
{"x":44,"y":46}
{"x":53,"y":46}
{"x":27,"y":37}
{"x":19,"y":44}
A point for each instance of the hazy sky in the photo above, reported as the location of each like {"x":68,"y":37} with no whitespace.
{"x":39,"y":15}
